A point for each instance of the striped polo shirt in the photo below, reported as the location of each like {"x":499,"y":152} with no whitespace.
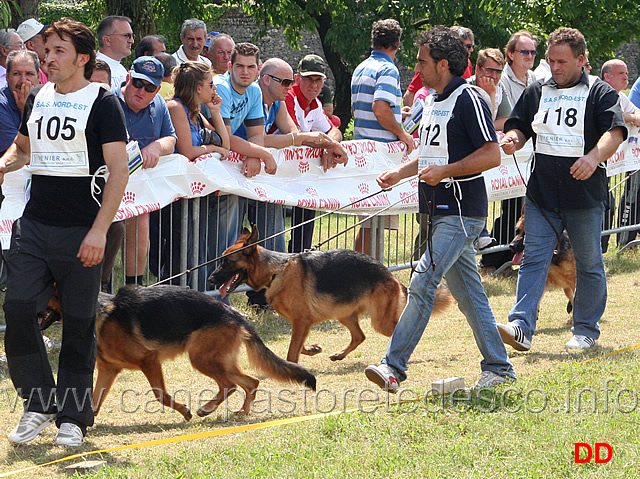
{"x":376,"y":78}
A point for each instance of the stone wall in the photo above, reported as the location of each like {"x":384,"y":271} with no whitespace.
{"x":242,"y":28}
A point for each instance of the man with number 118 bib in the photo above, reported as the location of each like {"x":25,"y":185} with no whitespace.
{"x":72,"y":133}
{"x":576,"y":125}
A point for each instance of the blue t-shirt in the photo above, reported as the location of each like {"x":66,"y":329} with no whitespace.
{"x":634,"y":95}
{"x":148,"y":124}
{"x":239,"y":109}
{"x":9,"y":119}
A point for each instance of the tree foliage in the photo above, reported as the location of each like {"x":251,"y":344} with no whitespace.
{"x":344,"y":25}
{"x":604,"y":23}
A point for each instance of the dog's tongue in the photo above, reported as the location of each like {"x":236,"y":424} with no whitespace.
{"x":224,"y":288}
{"x":517,"y":258}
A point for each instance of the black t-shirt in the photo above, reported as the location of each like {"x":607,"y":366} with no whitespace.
{"x":67,"y":201}
{"x":469,"y":128}
{"x":551,"y":185}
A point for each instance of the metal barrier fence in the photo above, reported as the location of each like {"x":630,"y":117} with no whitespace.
{"x":190,"y":232}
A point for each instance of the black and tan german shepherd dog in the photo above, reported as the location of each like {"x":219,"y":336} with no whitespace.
{"x":562,"y":271}
{"x":311,"y":287}
{"x":139,"y":328}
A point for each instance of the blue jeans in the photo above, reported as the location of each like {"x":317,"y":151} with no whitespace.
{"x":455,"y":259}
{"x":223,"y":228}
{"x":584,"y":228}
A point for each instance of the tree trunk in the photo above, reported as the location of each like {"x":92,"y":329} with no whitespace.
{"x":139,"y":11}
{"x":29,"y":9}
{"x":340,"y":70}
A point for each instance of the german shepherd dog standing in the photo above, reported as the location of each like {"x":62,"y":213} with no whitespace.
{"x":308,"y":288}
{"x":562,"y":271}
{"x":139,"y":328}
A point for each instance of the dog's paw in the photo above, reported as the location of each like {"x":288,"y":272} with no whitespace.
{"x":202,"y":412}
{"x":187,"y":415}
{"x":312,"y":349}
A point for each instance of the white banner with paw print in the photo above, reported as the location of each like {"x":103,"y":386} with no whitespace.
{"x":299,"y":181}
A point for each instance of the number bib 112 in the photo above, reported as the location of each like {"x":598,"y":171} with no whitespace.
{"x":434,"y":147}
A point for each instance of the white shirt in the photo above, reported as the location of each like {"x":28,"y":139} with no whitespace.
{"x":3,"y":77}
{"x":625,"y":104}
{"x":181,"y":57}
{"x":512,"y":86}
{"x":118,"y":72}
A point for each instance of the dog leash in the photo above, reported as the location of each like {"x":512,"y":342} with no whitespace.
{"x":206,"y":263}
{"x":533,"y":200}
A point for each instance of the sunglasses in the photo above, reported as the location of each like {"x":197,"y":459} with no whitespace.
{"x":469,"y":46}
{"x":524,"y":53}
{"x":285,"y":82}
{"x":148,"y":87}
{"x":495,"y":71}
{"x":128,"y":36}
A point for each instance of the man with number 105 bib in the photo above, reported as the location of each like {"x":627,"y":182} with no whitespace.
{"x":73,"y":132}
{"x":457,"y":143}
{"x":576,"y":124}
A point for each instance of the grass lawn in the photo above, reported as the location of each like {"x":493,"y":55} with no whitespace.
{"x":525,"y":429}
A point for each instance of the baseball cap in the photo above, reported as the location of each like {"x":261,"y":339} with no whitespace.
{"x":210,"y":36}
{"x":149,"y":69}
{"x":30,"y":28}
{"x":312,"y":65}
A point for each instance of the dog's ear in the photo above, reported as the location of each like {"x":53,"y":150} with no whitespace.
{"x":255,"y":235}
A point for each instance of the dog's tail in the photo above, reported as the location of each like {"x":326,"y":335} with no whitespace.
{"x":265,"y":360}
{"x":443,"y":299}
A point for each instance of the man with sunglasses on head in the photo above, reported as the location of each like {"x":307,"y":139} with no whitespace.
{"x":148,"y":123}
{"x":115,"y":39}
{"x":520,"y":54}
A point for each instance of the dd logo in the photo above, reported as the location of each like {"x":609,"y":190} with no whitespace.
{"x":597,"y":446}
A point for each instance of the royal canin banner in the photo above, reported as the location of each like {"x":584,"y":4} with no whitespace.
{"x":299,"y":181}
{"x":627,"y":157}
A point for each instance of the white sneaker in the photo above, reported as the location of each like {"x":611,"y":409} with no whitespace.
{"x":489,"y":379}
{"x":512,"y":335}
{"x":383,"y":376}
{"x":51,"y":344}
{"x":69,"y":435}
{"x":581,"y":343}
{"x":483,"y":242}
{"x":31,"y":424}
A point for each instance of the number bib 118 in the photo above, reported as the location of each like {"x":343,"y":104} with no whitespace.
{"x":57,"y":128}
{"x":559,"y":122}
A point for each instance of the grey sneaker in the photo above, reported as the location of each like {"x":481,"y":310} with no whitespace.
{"x":581,"y":343}
{"x":30,"y":425}
{"x":69,"y":435}
{"x":383,"y":376}
{"x":512,"y":335}
{"x":489,"y":379}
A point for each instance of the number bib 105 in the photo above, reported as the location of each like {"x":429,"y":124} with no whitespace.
{"x":57,"y":128}
{"x":559,"y":122}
